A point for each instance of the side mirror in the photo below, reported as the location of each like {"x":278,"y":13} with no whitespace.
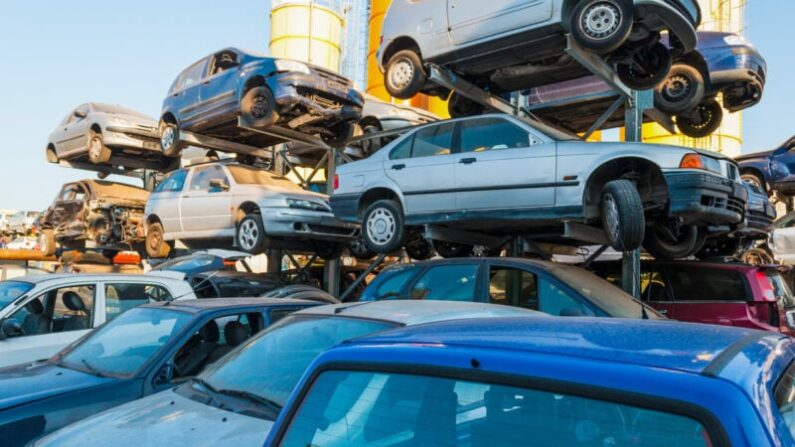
{"x":11,"y":328}
{"x":217,"y":185}
{"x":164,"y":375}
{"x":80,"y":114}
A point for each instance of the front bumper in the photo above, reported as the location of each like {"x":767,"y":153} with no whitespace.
{"x":740,"y":73}
{"x":699,"y":197}
{"x":677,"y":20}
{"x":759,"y":217}
{"x":296,"y":223}
{"x":326,"y":98}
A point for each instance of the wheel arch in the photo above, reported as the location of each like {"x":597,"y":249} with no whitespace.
{"x":374,"y":194}
{"x":399,"y":44}
{"x":96,"y":128}
{"x":755,"y":170}
{"x":245,"y":208}
{"x":647,"y":175}
{"x":256,"y":80}
{"x":169,"y":117}
{"x":152,"y":218}
{"x":696,"y":60}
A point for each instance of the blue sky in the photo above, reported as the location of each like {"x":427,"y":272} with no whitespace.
{"x":56,"y":55}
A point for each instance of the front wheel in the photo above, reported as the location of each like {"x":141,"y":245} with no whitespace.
{"x":382,"y":226}
{"x":404,"y":75}
{"x":339,"y":134}
{"x":601,"y":25}
{"x":702,"y":121}
{"x":758,"y":256}
{"x":328,"y":251}
{"x":452,"y":249}
{"x":648,"y":67}
{"x":669,"y":242}
{"x":251,"y":236}
{"x":47,"y":242}
{"x":156,"y":244}
{"x":97,"y":151}
{"x":358,"y":249}
{"x":681,"y":91}
{"x":459,"y":106}
{"x":622,"y":215}
{"x":169,"y":139}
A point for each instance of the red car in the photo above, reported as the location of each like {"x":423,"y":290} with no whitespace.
{"x":725,"y":293}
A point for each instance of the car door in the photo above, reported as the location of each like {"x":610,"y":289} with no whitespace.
{"x":188,"y":93}
{"x":470,"y":21}
{"x":782,"y":166}
{"x":501,"y":165}
{"x":50,"y":322}
{"x":205,"y":208}
{"x":68,"y":205}
{"x":422,"y":165}
{"x":74,"y":137}
{"x":165,"y":201}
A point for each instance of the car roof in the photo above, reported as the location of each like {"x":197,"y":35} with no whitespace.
{"x":56,"y":277}
{"x":659,"y":344}
{"x":417,"y":312}
{"x":716,"y":264}
{"x":211,"y":304}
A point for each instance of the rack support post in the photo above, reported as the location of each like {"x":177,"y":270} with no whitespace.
{"x":331,"y":269}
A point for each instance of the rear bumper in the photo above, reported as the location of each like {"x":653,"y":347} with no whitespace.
{"x":306,"y":224}
{"x":698,"y":197}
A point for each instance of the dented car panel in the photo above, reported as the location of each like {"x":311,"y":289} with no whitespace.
{"x":105,"y":213}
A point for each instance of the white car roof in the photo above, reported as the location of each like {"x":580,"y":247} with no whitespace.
{"x":69,"y":277}
{"x":412,"y":312}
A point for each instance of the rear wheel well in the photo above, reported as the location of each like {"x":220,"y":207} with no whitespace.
{"x":374,"y":195}
{"x":169,"y":117}
{"x":646,"y":175}
{"x":399,"y":44}
{"x":95,"y":127}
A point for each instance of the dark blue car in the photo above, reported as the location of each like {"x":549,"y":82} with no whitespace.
{"x":771,"y":170}
{"x":143,"y":351}
{"x":209,"y":96}
{"x":548,"y":382}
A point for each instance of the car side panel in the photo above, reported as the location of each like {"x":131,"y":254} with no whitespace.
{"x":471,"y":21}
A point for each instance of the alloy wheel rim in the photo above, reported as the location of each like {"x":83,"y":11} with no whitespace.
{"x":248,"y":235}
{"x":611,"y":217}
{"x":381,"y":226}
{"x":401,"y":74}
{"x":167,"y":139}
{"x":600,"y":21}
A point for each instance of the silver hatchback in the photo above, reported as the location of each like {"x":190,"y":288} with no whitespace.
{"x":212,"y":203}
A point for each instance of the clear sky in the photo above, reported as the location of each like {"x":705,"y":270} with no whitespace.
{"x":56,"y":55}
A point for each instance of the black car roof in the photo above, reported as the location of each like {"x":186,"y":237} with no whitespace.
{"x":213,"y":304}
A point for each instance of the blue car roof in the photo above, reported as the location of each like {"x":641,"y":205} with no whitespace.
{"x":695,"y":348}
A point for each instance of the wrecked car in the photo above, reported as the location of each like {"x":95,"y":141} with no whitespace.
{"x":104,"y":213}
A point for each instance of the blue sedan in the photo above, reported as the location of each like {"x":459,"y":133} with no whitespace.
{"x":147,"y":349}
{"x":548,"y":382}
{"x":209,"y":96}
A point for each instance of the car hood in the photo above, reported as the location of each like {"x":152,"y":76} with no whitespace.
{"x":26,"y":383}
{"x":131,"y":120}
{"x":763,"y":154}
{"x":275,"y":192}
{"x":166,"y":418}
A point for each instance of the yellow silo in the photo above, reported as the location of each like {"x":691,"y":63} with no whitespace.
{"x":306,"y":30}
{"x":717,"y":15}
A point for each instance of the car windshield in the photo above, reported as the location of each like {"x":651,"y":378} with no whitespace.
{"x":11,"y":290}
{"x":270,"y":365}
{"x":606,"y":296}
{"x":192,"y":264}
{"x":121,"y":347}
{"x":245,"y":175}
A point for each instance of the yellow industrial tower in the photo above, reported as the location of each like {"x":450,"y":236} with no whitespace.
{"x":306,"y":30}
{"x":718,"y":15}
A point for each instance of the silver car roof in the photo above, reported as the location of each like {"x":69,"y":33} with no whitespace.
{"x":408,"y":312}
{"x":55,"y":277}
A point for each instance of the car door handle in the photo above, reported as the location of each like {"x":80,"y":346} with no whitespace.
{"x":468,"y":161}
{"x":398,"y":166}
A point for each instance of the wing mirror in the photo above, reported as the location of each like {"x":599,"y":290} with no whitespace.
{"x":80,"y":114}
{"x":164,"y":375}
{"x":11,"y":328}
{"x":217,"y":185}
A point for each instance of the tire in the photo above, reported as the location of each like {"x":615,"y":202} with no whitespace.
{"x":98,"y":153}
{"x":169,"y":139}
{"x":405,"y":74}
{"x":757,"y":256}
{"x":51,"y":156}
{"x":47,"y":242}
{"x":622,"y":215}
{"x":368,"y":128}
{"x":754,"y":179}
{"x":719,"y":247}
{"x":358,"y":249}
{"x":451,"y":249}
{"x":258,"y":107}
{"x":419,"y":249}
{"x":382,"y":226}
{"x":340,"y":134}
{"x":459,"y":106}
{"x":663,"y":245}
{"x":156,"y":246}
{"x":250,"y":235}
{"x":601,"y":25}
{"x":649,"y":67}
{"x":702,"y":121}
{"x":681,"y":90}
{"x":328,"y":251}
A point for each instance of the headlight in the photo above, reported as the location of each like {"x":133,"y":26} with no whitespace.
{"x":734,"y":39}
{"x":289,"y":65}
{"x":307,"y":205}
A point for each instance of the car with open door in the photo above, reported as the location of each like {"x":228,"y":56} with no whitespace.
{"x":501,"y":175}
{"x":209,"y":96}
{"x":509,"y":45}
{"x":144,"y":351}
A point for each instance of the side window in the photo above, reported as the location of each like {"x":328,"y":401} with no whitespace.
{"x":67,"y":194}
{"x":60,"y":310}
{"x":193,"y":75}
{"x":433,"y":140}
{"x":390,"y":288}
{"x":402,"y":150}
{"x":223,"y":61}
{"x":173,"y":182}
{"x":513,"y":287}
{"x":652,"y":283}
{"x":554,"y":301}
{"x":277,"y":314}
{"x":706,"y":285}
{"x":479,"y":135}
{"x":204,"y":175}
{"x":80,"y":194}
{"x":446,"y":282}
{"x":121,"y":297}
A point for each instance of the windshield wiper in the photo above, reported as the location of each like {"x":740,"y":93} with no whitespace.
{"x":270,"y":405}
{"x":91,"y":368}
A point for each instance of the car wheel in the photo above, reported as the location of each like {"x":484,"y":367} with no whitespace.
{"x":682,"y":90}
{"x":382,"y":226}
{"x":358,"y":249}
{"x":757,"y":256}
{"x":258,"y":107}
{"x":368,"y":128}
{"x":405,"y":75}
{"x":340,"y":134}
{"x":622,"y":215}
{"x":459,"y":106}
{"x":52,"y":157}
{"x":47,"y":242}
{"x":250,"y":236}
{"x":601,"y":25}
{"x":97,"y":151}
{"x":419,"y":249}
{"x":452,"y":249}
{"x":719,"y":247}
{"x":754,"y":180}
{"x":669,"y":242}
{"x":156,"y":244}
{"x":169,"y":139}
{"x":329,"y":251}
{"x":702,"y":121}
{"x":648,"y":68}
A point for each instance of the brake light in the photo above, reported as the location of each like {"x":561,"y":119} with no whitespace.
{"x":336,"y":181}
{"x":691,"y":161}
{"x":764,"y":284}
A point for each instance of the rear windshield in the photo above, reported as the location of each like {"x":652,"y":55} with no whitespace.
{"x":785,"y":397}
{"x":250,"y":176}
{"x":694,"y":284}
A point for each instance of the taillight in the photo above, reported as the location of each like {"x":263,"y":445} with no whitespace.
{"x":336,"y":181}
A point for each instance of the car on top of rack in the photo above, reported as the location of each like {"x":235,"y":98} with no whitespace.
{"x":257,"y":209}
{"x":108,"y":134}
{"x":501,"y":175}
{"x":547,"y":382}
{"x":723,"y":64}
{"x":509,"y":45}
{"x":209,"y":96}
{"x":773,"y":170}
